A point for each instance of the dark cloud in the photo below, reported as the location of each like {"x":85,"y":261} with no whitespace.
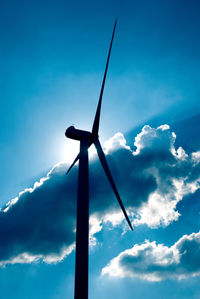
{"x":40,"y":222}
{"x":155,"y":262}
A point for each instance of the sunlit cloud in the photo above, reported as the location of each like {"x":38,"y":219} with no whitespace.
{"x":155,"y":262}
{"x":39,"y":224}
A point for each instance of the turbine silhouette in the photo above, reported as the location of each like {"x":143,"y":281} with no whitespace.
{"x":82,"y":225}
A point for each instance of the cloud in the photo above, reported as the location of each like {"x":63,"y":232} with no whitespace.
{"x":152,"y":179}
{"x":156,"y":262}
{"x":40,"y":222}
{"x":176,"y":174}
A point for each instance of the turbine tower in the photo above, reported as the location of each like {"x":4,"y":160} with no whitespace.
{"x":82,"y":223}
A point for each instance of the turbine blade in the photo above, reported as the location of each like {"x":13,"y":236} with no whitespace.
{"x":78,"y":157}
{"x":104,"y":164}
{"x":95,"y":128}
{"x":75,"y":160}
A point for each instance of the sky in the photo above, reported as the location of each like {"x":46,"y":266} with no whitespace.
{"x":53,"y":55}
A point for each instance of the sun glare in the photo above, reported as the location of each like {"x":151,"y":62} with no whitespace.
{"x":70,"y":149}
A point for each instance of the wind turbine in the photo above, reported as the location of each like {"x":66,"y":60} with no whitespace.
{"x":82,"y":223}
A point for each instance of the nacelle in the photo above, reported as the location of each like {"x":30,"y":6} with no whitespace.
{"x":76,"y":134}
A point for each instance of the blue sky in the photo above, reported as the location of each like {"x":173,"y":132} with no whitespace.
{"x":53,"y":56}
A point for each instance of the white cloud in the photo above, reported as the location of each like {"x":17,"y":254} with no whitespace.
{"x":196,"y":157}
{"x":155,"y":262}
{"x":116,"y":142}
{"x":177,"y":174}
{"x":154,"y":139}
